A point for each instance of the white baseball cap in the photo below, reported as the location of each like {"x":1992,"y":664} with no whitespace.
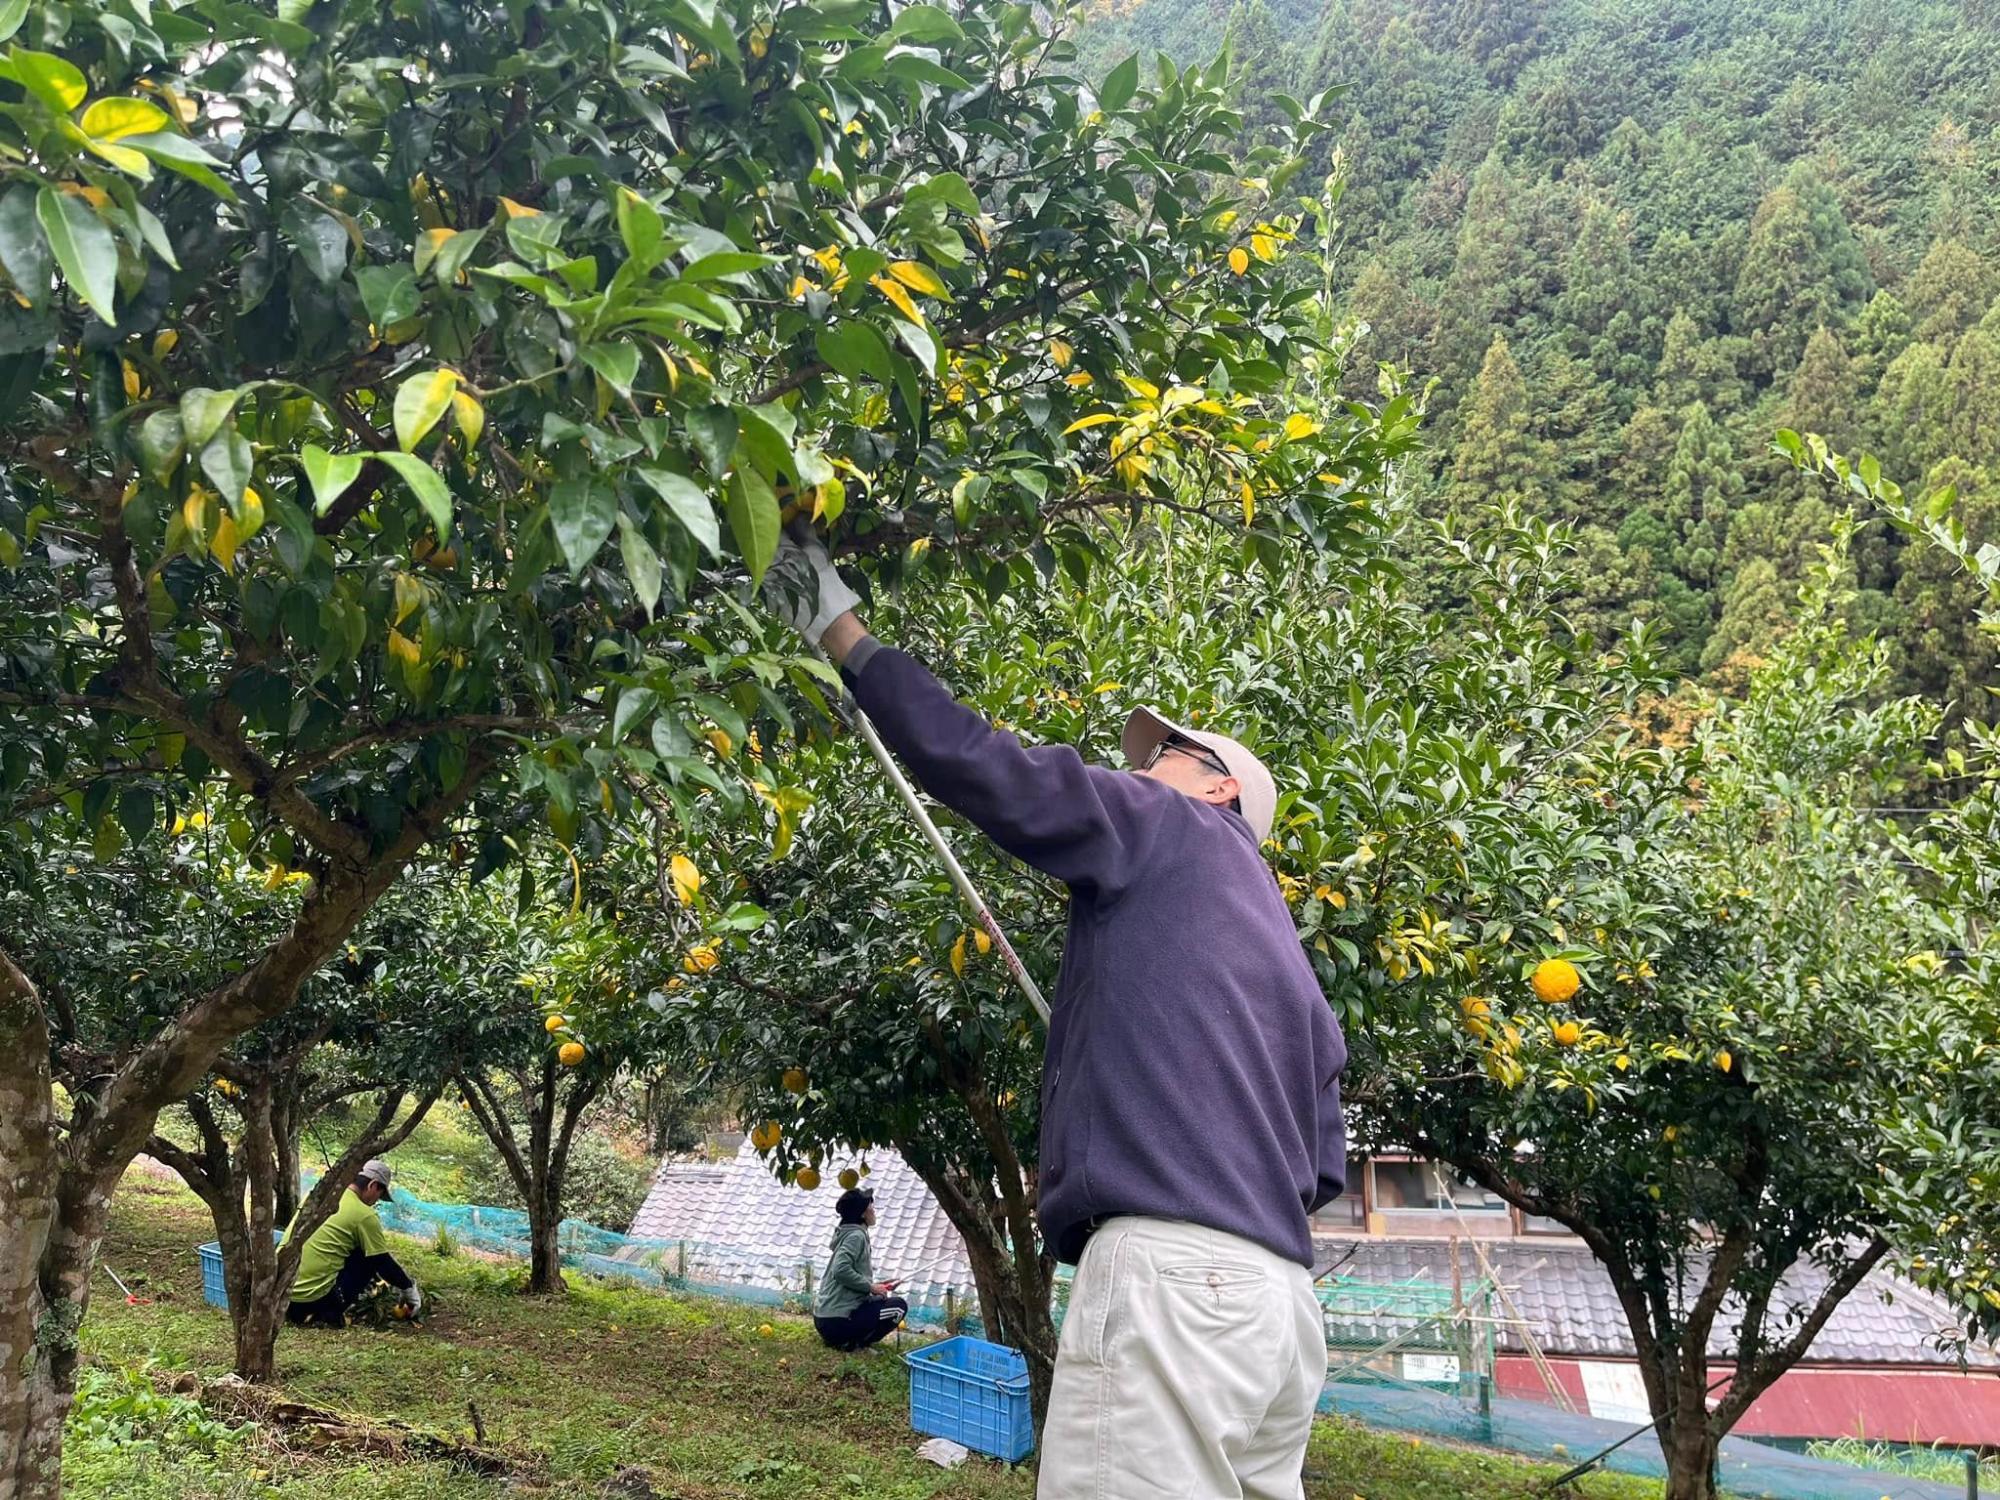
{"x":1257,"y":794}
{"x":376,"y":1170}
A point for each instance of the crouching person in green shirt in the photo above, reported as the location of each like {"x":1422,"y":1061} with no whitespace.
{"x":852,"y":1309}
{"x":347,"y":1255}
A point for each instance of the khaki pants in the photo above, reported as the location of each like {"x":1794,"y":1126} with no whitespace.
{"x":1190,"y":1366}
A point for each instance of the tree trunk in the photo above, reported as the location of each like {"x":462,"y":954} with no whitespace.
{"x":38,"y":1338}
{"x":1013,"y":1293}
{"x":1690,"y":1449}
{"x":544,"y":1248}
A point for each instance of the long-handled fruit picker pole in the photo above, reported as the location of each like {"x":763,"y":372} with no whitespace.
{"x":981,"y":912}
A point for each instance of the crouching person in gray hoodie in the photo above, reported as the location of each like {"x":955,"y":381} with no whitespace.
{"x":852,"y":1309}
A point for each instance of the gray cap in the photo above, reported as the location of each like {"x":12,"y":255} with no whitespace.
{"x":376,"y":1170}
{"x":1257,"y":793}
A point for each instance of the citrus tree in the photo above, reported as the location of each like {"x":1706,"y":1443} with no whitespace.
{"x":124,"y":934}
{"x":380,"y":385}
{"x":878,"y":1017}
{"x":1946,"y":1201}
{"x":534,"y":1011}
{"x":1618,"y":1004}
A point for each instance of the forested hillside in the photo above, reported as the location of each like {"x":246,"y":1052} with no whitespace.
{"x":1631,"y":238}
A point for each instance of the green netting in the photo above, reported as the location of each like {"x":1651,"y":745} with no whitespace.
{"x":694,"y":1266}
{"x":1413,"y":1356}
{"x":1417,"y":1356}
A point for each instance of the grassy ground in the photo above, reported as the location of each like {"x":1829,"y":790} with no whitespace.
{"x":692,"y":1392}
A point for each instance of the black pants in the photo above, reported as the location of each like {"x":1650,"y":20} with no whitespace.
{"x":330,"y":1311}
{"x":870,"y":1323}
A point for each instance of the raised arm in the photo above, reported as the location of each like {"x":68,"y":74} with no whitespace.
{"x":1042,"y":804}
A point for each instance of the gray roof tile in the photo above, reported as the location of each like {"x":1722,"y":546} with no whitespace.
{"x":1566,"y":1299}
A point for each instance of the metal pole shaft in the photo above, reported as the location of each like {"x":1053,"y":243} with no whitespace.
{"x":980,"y":911}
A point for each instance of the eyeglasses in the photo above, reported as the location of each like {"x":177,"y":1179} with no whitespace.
{"x":1190,"y":749}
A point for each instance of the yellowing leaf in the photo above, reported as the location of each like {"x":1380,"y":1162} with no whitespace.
{"x":1060,"y":354}
{"x":519,"y":210}
{"x":1239,"y":260}
{"x":403,"y":649}
{"x":131,"y":380}
{"x":1077,"y":381}
{"x":224,"y":541}
{"x":1095,"y":419}
{"x":420,"y":401}
{"x":469,"y":415}
{"x":409,"y":597}
{"x":720,"y":739}
{"x":982,"y":942}
{"x":428,"y":244}
{"x":917,"y":277}
{"x":958,"y":956}
{"x":898,"y":297}
{"x":1298,"y":425}
{"x":1264,"y":247}
{"x":1249,"y":503}
{"x":800,"y":286}
{"x":194,"y":511}
{"x":1109,"y":687}
{"x":686,"y":879}
{"x":114,"y":119}
{"x":164,"y":342}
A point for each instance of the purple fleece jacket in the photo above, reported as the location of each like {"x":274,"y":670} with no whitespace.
{"x":1193,"y":1067}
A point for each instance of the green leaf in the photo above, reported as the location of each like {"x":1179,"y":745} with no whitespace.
{"x":634,"y":704}
{"x":582,"y":510}
{"x":752,"y":507}
{"x":329,"y":474}
{"x":114,"y":119}
{"x":948,"y":188}
{"x":84,"y":249}
{"x":226,"y":460}
{"x":424,"y":483}
{"x":639,"y":227}
{"x":454,"y":253}
{"x":24,"y":253}
{"x":136,"y":812}
{"x":179,"y":154}
{"x":919,"y":342}
{"x":924,"y":23}
{"x":53,"y":80}
{"x":618,"y":363}
{"x":747,"y":916}
{"x":688,"y":503}
{"x":160,"y":445}
{"x":320,"y":239}
{"x":726,"y":263}
{"x":1120,"y":84}
{"x":712,"y":429}
{"x":420,"y":401}
{"x":203,"y":411}
{"x":388,"y":292}
{"x":642,"y":564}
{"x":856,"y":349}
{"x":12,"y":14}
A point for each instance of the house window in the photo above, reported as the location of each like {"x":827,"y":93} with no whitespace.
{"x":1426,"y":1187}
{"x":1350,"y":1209}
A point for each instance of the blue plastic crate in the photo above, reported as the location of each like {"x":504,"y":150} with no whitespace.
{"x":974,"y":1393}
{"x":214,"y":1290}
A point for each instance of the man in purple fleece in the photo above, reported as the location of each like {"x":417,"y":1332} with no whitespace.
{"x":1191,"y":1090}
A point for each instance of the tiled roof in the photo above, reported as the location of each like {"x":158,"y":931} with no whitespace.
{"x":1566,"y":1299}
{"x":775,"y":1228}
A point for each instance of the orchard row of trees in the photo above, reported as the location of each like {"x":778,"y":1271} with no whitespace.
{"x":391,"y":451}
{"x":392,"y":462}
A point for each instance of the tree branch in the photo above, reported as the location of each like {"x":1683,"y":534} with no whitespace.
{"x":1748,"y":1386}
{"x":169,"y":1065}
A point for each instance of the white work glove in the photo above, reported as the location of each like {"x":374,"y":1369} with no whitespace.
{"x":803,"y":587}
{"x":414,"y":1295}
